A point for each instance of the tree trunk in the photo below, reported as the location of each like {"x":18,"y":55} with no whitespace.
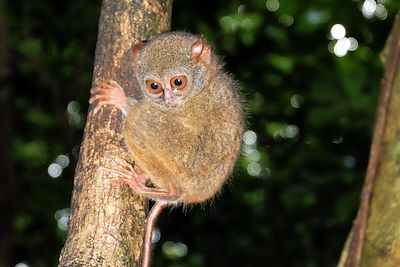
{"x":107,"y":219}
{"x":7,"y":188}
{"x":375,"y":237}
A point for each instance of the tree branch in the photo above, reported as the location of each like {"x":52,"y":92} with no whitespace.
{"x":353,"y":252}
{"x":106,"y":224}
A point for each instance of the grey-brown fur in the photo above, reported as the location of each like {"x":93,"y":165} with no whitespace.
{"x":193,"y":146}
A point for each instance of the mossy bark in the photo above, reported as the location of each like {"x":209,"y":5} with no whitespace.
{"x":107,"y":219}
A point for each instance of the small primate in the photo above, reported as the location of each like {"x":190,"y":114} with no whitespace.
{"x":185,"y":133}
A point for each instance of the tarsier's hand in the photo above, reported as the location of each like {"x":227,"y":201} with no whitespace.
{"x":110,"y":93}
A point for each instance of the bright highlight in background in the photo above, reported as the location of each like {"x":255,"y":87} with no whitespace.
{"x":55,"y":169}
{"x":62,"y":218}
{"x":368,"y":8}
{"x":250,"y":138}
{"x":341,"y":47}
{"x":253,"y":169}
{"x":296,"y":101}
{"x":174,"y":250}
{"x":251,"y":153}
{"x":272,"y":5}
{"x":372,"y":8}
{"x":156,"y":235}
{"x":338,"y":31}
{"x":62,"y":160}
{"x":342,"y":44}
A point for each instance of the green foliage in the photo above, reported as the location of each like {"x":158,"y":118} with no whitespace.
{"x":295,"y":193}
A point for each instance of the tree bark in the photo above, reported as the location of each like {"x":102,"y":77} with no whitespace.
{"x":7,"y":176}
{"x":375,"y":237}
{"x":107,"y":219}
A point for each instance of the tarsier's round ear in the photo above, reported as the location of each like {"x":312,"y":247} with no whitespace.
{"x":201,"y":51}
{"x":136,"y":48}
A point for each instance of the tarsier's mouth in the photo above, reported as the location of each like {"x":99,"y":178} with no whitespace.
{"x":173,"y":103}
{"x":171,"y":97}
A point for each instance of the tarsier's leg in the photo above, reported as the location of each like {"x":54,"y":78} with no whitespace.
{"x":109,"y":94}
{"x":138,"y":182}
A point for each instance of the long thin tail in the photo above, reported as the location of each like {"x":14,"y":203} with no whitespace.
{"x":148,"y":232}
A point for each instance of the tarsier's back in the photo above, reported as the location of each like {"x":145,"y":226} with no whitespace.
{"x":186,"y":138}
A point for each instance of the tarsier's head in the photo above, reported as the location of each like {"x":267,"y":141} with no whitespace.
{"x":172,"y":68}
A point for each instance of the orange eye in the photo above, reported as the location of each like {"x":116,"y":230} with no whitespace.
{"x":178,"y":82}
{"x":153,"y":86}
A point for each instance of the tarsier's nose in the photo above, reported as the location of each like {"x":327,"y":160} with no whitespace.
{"x":169,"y":96}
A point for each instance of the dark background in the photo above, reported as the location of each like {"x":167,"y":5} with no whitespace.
{"x":296,"y":189}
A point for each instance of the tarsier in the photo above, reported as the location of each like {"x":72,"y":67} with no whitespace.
{"x":185,"y":132}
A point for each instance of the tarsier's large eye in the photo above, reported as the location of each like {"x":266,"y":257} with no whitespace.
{"x":178,"y":82}
{"x":153,"y":86}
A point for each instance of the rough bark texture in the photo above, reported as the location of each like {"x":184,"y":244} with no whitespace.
{"x":106,"y":224}
{"x":7,"y":178}
{"x":375,"y":237}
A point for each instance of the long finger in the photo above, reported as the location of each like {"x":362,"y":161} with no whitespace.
{"x":94,"y":98}
{"x":107,"y":85}
{"x":99,"y":90}
{"x":115,"y":84}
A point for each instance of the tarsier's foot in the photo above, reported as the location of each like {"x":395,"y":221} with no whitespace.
{"x":110,"y":93}
{"x":138,"y":183}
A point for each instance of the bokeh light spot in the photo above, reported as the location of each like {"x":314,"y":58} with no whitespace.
{"x":229,"y":24}
{"x":272,"y":5}
{"x":247,"y":149}
{"x":241,"y":9}
{"x":381,"y":12}
{"x":368,"y":8}
{"x":337,"y":140}
{"x":341,"y":47}
{"x":286,"y":20}
{"x":250,"y":137}
{"x":156,"y":235}
{"x":62,"y":160}
{"x":62,"y":218}
{"x":292,"y":131}
{"x":253,"y":169}
{"x":174,"y":250}
{"x":314,"y":16}
{"x":349,"y":161}
{"x":62,"y":223}
{"x":54,"y":170}
{"x":74,"y":116}
{"x":338,"y":31}
{"x":254,"y":155}
{"x":73,"y":106}
{"x":353,"y":44}
{"x":297,"y":101}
